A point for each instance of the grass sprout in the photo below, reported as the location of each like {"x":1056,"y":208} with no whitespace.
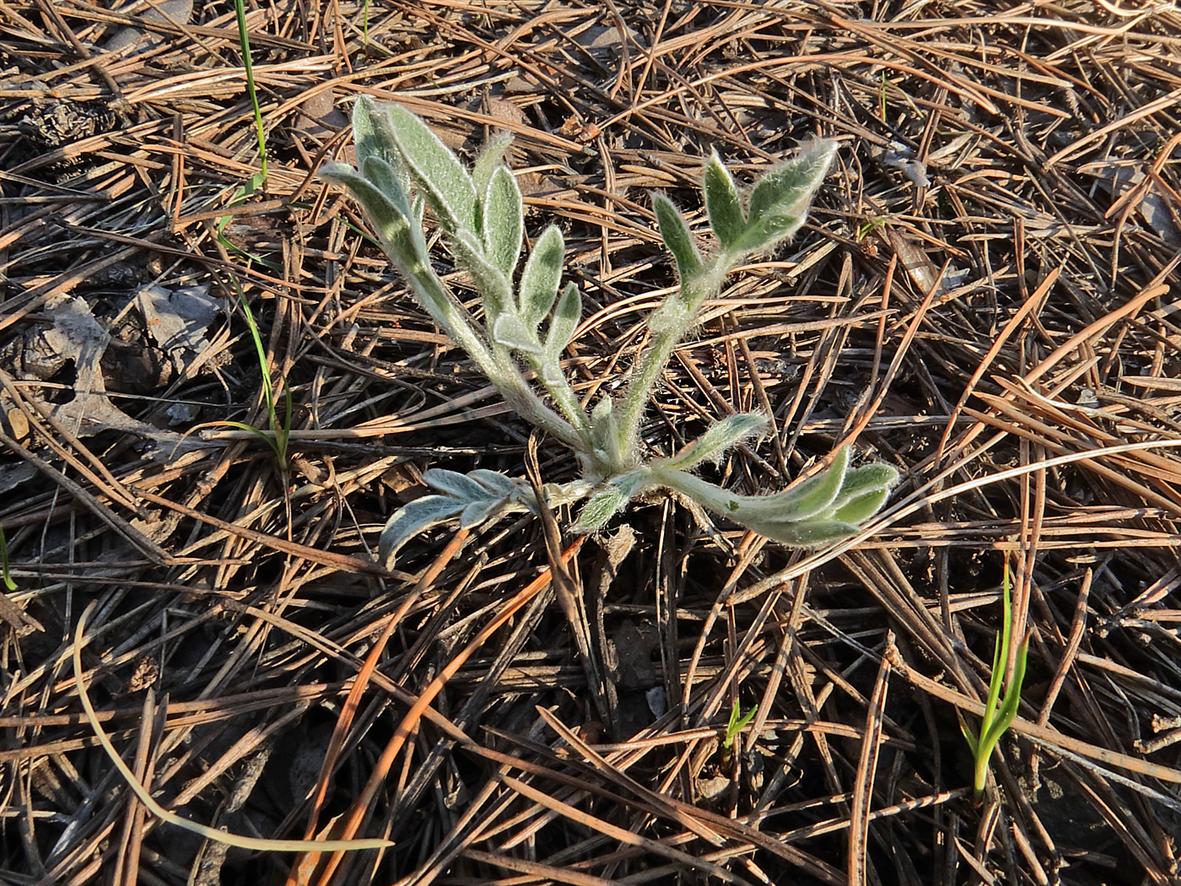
{"x":278,"y":433}
{"x":258,"y":180}
{"x":738,"y":721}
{"x":999,"y":712}
{"x":5,"y":575}
{"x":252,"y":91}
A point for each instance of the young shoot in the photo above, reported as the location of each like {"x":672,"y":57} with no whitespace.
{"x":998,"y":713}
{"x":737,"y":722}
{"x":5,"y":576}
{"x":529,"y":317}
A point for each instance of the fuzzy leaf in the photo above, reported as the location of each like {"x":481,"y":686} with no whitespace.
{"x":764,"y":233}
{"x":677,"y":237}
{"x":509,"y":331}
{"x":479,"y":511}
{"x":385,"y":178}
{"x":415,"y":517}
{"x":491,"y":157}
{"x":564,"y":322}
{"x":860,"y":508}
{"x":504,"y":221}
{"x":605,"y":429}
{"x":543,"y":271}
{"x":489,"y":279}
{"x":787,"y":189}
{"x":371,"y":139}
{"x":864,"y":479}
{"x":722,"y":202}
{"x":809,"y":499}
{"x":610,"y":500}
{"x":495,"y":482}
{"x":717,"y":439}
{"x":601,"y":507}
{"x":808,"y":534}
{"x":390,"y":225}
{"x":459,"y":486}
{"x":444,"y":180}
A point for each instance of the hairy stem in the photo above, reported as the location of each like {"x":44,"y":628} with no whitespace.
{"x":499,"y":368}
{"x":687,"y":301}
{"x":558,"y":386}
{"x":701,"y":491}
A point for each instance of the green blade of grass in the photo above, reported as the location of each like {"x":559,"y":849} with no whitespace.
{"x":998,"y":713}
{"x":259,"y":129}
{"x":4,"y":574}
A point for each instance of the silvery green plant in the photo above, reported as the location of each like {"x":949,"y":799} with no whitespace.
{"x":529,"y":319}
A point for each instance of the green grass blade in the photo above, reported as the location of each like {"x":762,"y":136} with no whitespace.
{"x":244,"y":43}
{"x":7,"y":578}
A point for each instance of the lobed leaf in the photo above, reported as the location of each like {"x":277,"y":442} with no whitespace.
{"x":503,"y":221}
{"x":413,"y":518}
{"x":539,"y":280}
{"x":444,"y":180}
{"x":722,"y":202}
{"x":677,"y":237}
